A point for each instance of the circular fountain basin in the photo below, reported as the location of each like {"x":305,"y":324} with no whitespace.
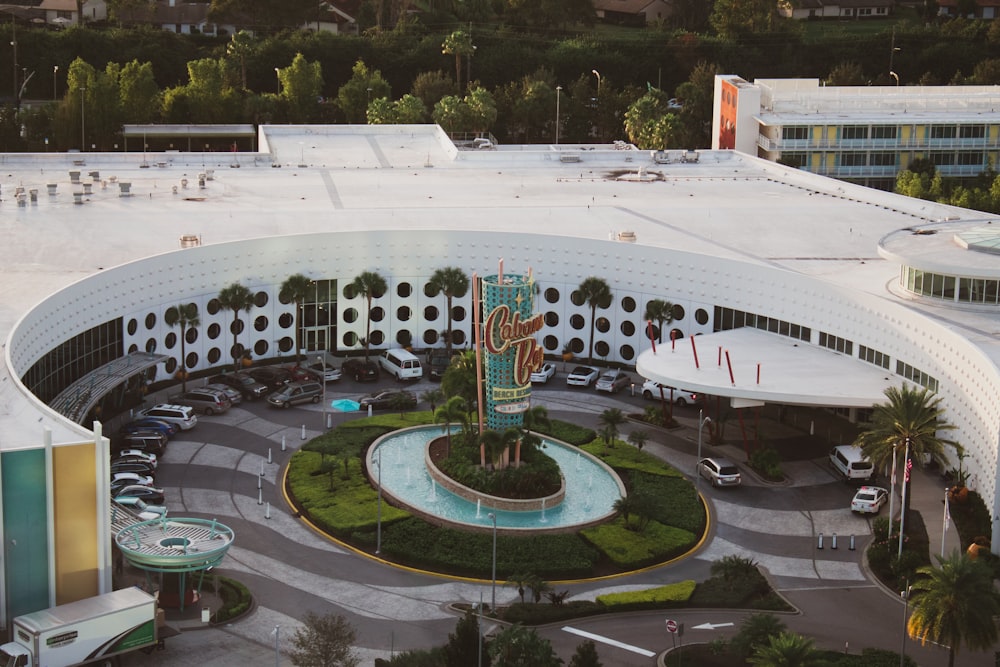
{"x":591,"y":488}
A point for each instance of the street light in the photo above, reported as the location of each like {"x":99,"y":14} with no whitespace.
{"x":558,"y":93}
{"x":83,"y":119}
{"x":468,"y":69}
{"x":493,"y":598}
{"x":378,"y":538}
{"x":894,"y":76}
{"x":598,"y":75}
{"x":277,"y":653}
{"x":701,"y":423}
{"x":322,"y":371}
{"x":55,"y":82}
{"x":277,"y":73}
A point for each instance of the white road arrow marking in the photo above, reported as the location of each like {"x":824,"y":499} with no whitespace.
{"x":711,"y":626}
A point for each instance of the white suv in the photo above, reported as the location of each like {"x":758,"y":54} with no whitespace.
{"x":182,"y":415}
{"x":651,"y":390}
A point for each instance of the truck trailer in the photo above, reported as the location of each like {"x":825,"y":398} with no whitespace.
{"x":82,"y":632}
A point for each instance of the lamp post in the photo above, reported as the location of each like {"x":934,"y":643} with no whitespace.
{"x":905,"y":595}
{"x":493,"y":597}
{"x":378,"y":534}
{"x":598,"y":75}
{"x":558,"y":93}
{"x":277,"y":652}
{"x":894,"y":76}
{"x":468,"y":69}
{"x":55,"y":82}
{"x":277,"y":73}
{"x":701,"y":423}
{"x":322,"y":371}
{"x":83,"y":119}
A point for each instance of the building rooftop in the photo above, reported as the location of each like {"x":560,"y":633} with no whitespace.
{"x":308,"y":179}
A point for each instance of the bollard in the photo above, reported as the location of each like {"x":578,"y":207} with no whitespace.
{"x":303,"y":431}
{"x":260,"y":497}
{"x":261,"y":468}
{"x":850,"y":545}
{"x":267,"y":511}
{"x":282,"y":443}
{"x":833,"y":541}
{"x":329,"y":421}
{"x":258,"y":482}
{"x":820,"y":545}
{"x":269,"y":461}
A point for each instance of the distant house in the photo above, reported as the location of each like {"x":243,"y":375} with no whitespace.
{"x":64,"y":12}
{"x":836,"y":9}
{"x":985,"y":9}
{"x":184,"y":18}
{"x":334,"y":16}
{"x":632,"y":12}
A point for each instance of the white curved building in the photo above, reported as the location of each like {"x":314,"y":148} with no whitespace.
{"x":813,"y":291}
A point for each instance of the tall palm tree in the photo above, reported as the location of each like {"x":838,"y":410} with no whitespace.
{"x":295,"y":289}
{"x":491,"y":442}
{"x":597,"y":294}
{"x":186,"y":316}
{"x":370,"y":285}
{"x":787,"y":650}
{"x":661,"y":312}
{"x":451,"y":412}
{"x":638,"y":438}
{"x":452,"y":282}
{"x":955,"y":604}
{"x":911,"y":415}
{"x":236,"y":297}
{"x":458,"y":43}
{"x":611,"y":419}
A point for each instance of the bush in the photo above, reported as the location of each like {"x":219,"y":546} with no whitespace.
{"x":540,"y":614}
{"x":629,"y":549}
{"x":767,"y":463}
{"x":573,"y":434}
{"x":971,"y":519}
{"x":673,"y":501}
{"x":669,"y":596}
{"x":236,"y":600}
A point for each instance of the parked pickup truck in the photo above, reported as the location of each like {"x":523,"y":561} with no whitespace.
{"x":83,"y":631}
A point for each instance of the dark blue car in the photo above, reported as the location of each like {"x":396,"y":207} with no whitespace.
{"x":149,"y":424}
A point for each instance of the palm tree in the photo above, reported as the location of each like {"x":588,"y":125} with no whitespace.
{"x":520,"y":581}
{"x":638,"y":438}
{"x":452,"y":282}
{"x":911,"y":416}
{"x":185,"y":315}
{"x":595,"y":293}
{"x":611,"y":419}
{"x":369,"y":285}
{"x":787,"y":650}
{"x":625,"y":506}
{"x":295,"y":289}
{"x":532,"y":418}
{"x":955,"y":604}
{"x":661,"y":312}
{"x":452,"y":411}
{"x":458,"y":43}
{"x":241,"y":46}
{"x":755,"y":631}
{"x":491,"y":442}
{"x":236,"y":297}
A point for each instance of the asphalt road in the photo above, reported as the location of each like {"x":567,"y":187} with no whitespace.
{"x":213,"y":471}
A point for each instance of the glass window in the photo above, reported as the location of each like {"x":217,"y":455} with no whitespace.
{"x":943,"y":131}
{"x":884,"y":132}
{"x":972,"y":131}
{"x":972,"y":158}
{"x":795,"y":132}
{"x":853,"y":159}
{"x":854,"y":132}
{"x":883,"y":159}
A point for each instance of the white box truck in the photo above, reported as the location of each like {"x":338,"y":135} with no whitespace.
{"x":84,"y":631}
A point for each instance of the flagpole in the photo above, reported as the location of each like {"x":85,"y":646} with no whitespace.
{"x":902,"y":507}
{"x":892,"y":489}
{"x":945,"y":520}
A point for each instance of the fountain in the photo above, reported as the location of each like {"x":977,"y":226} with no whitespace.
{"x":542,"y":520}
{"x":591,"y":488}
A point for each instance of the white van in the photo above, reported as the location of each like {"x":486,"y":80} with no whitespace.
{"x":401,"y":364}
{"x":851,"y":463}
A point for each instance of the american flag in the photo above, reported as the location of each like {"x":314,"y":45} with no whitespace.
{"x":906,"y":477}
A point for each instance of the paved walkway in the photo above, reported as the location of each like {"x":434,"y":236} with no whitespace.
{"x":215,"y":471}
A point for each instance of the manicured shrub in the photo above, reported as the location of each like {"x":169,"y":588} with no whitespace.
{"x":236,"y":600}
{"x":539,"y":614}
{"x":573,"y":434}
{"x":673,"y":500}
{"x":630,"y":549}
{"x":671,"y":595}
{"x":766,"y":461}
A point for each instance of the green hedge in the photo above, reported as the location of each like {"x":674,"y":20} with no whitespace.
{"x":672,"y":501}
{"x":419,"y":544}
{"x":236,"y":599}
{"x":631,"y":549}
{"x":540,"y":614}
{"x":623,"y":456}
{"x":671,"y":595}
{"x":573,"y":434}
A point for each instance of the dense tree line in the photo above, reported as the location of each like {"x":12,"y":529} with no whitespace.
{"x":484,"y":75}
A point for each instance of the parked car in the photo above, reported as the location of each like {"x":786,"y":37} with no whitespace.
{"x":150,"y":425}
{"x":582,"y":376}
{"x":139,"y":508}
{"x":138,"y":467}
{"x":295,"y":393}
{"x":389,"y":399}
{"x":719,"y":471}
{"x":438,"y":361}
{"x":544,"y":374}
{"x":181,"y":415}
{"x":152,"y":442}
{"x":136,"y":455}
{"x":204,"y":400}
{"x":613,"y":381}
{"x":360,"y":370}
{"x":150,"y":494}
{"x":328,"y":372}
{"x":234,"y":395}
{"x":869,"y":500}
{"x":121,"y":479}
{"x":272,"y":376}
{"x":243,"y":383}
{"x":302,"y":374}
{"x":651,"y":390}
